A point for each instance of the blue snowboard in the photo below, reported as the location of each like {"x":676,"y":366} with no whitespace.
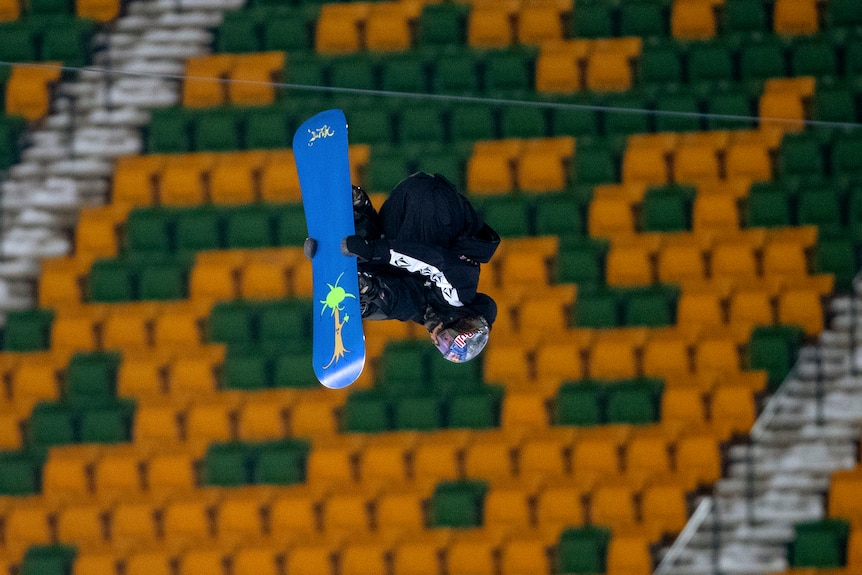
{"x":320,"y":149}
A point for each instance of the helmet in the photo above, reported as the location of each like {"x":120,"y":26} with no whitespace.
{"x":463,"y":339}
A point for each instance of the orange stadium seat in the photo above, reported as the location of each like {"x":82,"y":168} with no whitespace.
{"x":560,"y":504}
{"x":544,"y":457}
{"x":646,"y":165}
{"x":733,"y":259}
{"x":28,"y":90}
{"x":134,"y":179}
{"x":489,"y":26}
{"x":279,"y":180}
{"x":490,"y":173}
{"x":115,"y":474}
{"x":784,"y":259}
{"x":663,"y":508}
{"x":608,"y":71}
{"x":209,"y":422}
{"x":177,"y":325}
{"x":538,"y":24}
{"x":97,"y":231}
{"x":193,"y":374}
{"x":252,"y":76}
{"x":387,"y":28}
{"x":95,"y":562}
{"x":26,"y":524}
{"x":748,"y":159}
{"x":204,"y":83}
{"x":187,"y":519}
{"x":232,"y":183}
{"x":400,"y":512}
{"x":733,"y":409}
{"x":681,"y":261}
{"x":338,"y":30}
{"x":330,"y":465}
{"x":66,"y":476}
{"x":239,"y":517}
{"x":310,"y":559}
{"x":437,"y":458}
{"x":507,"y":508}
{"x":363,"y":558}
{"x":182,"y":184}
{"x":264,"y":416}
{"x":346,"y":512}
{"x":610,"y":216}
{"x":802,"y":307}
{"x":612,"y":358}
{"x":698,"y":309}
{"x":525,"y":410}
{"x":471,"y":555}
{"x":692,"y":19}
{"x":80,"y":524}
{"x":10,"y":430}
{"x":558,"y":360}
{"x":612,"y":503}
{"x":524,"y":555}
{"x":384,"y":463}
{"x":647,"y":455}
{"x":75,"y":331}
{"x":293,"y":514}
{"x":596,"y":458}
{"x":796,"y":17}
{"x":312,"y":417}
{"x":489,"y":458}
{"x":698,"y":459}
{"x":695,"y":163}
{"x":845,"y":488}
{"x":142,"y":374}
{"x":629,"y":264}
{"x":506,"y":362}
{"x":99,"y":10}
{"x":715,"y":213}
{"x":215,"y":277}
{"x":782,"y":108}
{"x":133,"y":522}
{"x":61,"y":281}
{"x":539,"y":171}
{"x":557,"y":67}
{"x":683,"y":405}
{"x":9,"y":10}
{"x":629,"y":554}
{"x":127,"y":326}
{"x":666,"y":355}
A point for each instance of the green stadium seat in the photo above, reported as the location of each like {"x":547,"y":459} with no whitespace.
{"x":767,"y":206}
{"x":246,"y":369}
{"x":110,"y":280}
{"x":267,"y":127}
{"x":418,"y":413}
{"x":581,"y":261}
{"x":162,"y":281}
{"x":593,"y":20}
{"x":821,"y":544}
{"x":231,"y":322}
{"x":385,"y":169}
{"x":660,"y":68}
{"x":743,"y":19}
{"x":508,"y":214}
{"x":280,"y":462}
{"x":367,"y":411}
{"x":760,"y":60}
{"x":800,"y":156}
{"x":10,"y":131}
{"x":634,"y":402}
{"x":677,"y":113}
{"x":283,"y":324}
{"x":774,"y":349}
{"x":597,"y":309}
{"x":472,"y":122}
{"x":736,"y":109}
{"x":448,"y":379}
{"x":198,"y":229}
{"x":577,"y":122}
{"x":290,"y":226}
{"x":404,"y":366}
{"x":667,"y":209}
{"x":508,"y":73}
{"x":304,"y":70}
{"x":627,"y":114}
{"x":844,"y":159}
{"x":458,"y":504}
{"x":227,"y":465}
{"x":169,"y":131}
{"x":148,"y":230}
{"x":474,"y":409}
{"x":50,"y":424}
{"x":19,"y":474}
{"x":404,"y":73}
{"x":853,"y":60}
{"x":580,"y":403}
{"x":523,"y":122}
{"x":27,"y":330}
{"x":49,"y":7}
{"x":583,"y":549}
{"x":833,"y":104}
{"x":91,"y":379}
{"x":422,"y":123}
{"x":559,"y":215}
{"x":108,"y":423}
{"x":457,"y":74}
{"x":709,"y":67}
{"x":238,"y":33}
{"x":442,"y":24}
{"x":48,"y":560}
{"x":594,"y":165}
{"x":813,"y":56}
{"x":643,"y":18}
{"x":216,"y":131}
{"x":843,"y":14}
{"x":249,"y":227}
{"x":819,"y":207}
{"x":837,"y":255}
{"x":358,"y":72}
{"x":371,"y":125}
{"x":294,"y":369}
{"x":68,"y":41}
{"x":287,"y":30}
{"x":649,"y":307}
{"x":17,"y":43}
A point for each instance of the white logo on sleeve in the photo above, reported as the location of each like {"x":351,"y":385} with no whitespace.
{"x":413,"y":265}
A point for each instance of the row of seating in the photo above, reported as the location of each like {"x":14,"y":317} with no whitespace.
{"x":589,"y":548}
{"x":387,"y":26}
{"x":55,"y":37}
{"x":14,"y":10}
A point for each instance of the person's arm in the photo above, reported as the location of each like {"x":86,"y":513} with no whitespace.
{"x":454,"y":279}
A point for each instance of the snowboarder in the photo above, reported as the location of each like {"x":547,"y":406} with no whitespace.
{"x":419,"y":260}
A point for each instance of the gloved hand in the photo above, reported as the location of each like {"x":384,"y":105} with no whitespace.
{"x":365,"y":250}
{"x":432,"y":322}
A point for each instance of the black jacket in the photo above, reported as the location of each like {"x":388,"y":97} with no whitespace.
{"x":430,"y":252}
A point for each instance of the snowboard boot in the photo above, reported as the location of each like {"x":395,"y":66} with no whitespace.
{"x":372,"y":297}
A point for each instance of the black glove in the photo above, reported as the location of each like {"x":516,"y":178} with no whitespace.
{"x":365,"y":250}
{"x":431,"y":320}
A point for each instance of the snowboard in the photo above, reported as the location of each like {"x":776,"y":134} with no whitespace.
{"x":320,"y":152}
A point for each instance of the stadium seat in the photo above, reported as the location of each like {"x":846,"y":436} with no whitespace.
{"x":583,"y":549}
{"x":692,"y":20}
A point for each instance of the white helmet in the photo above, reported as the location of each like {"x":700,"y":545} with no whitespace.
{"x":464,"y":339}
